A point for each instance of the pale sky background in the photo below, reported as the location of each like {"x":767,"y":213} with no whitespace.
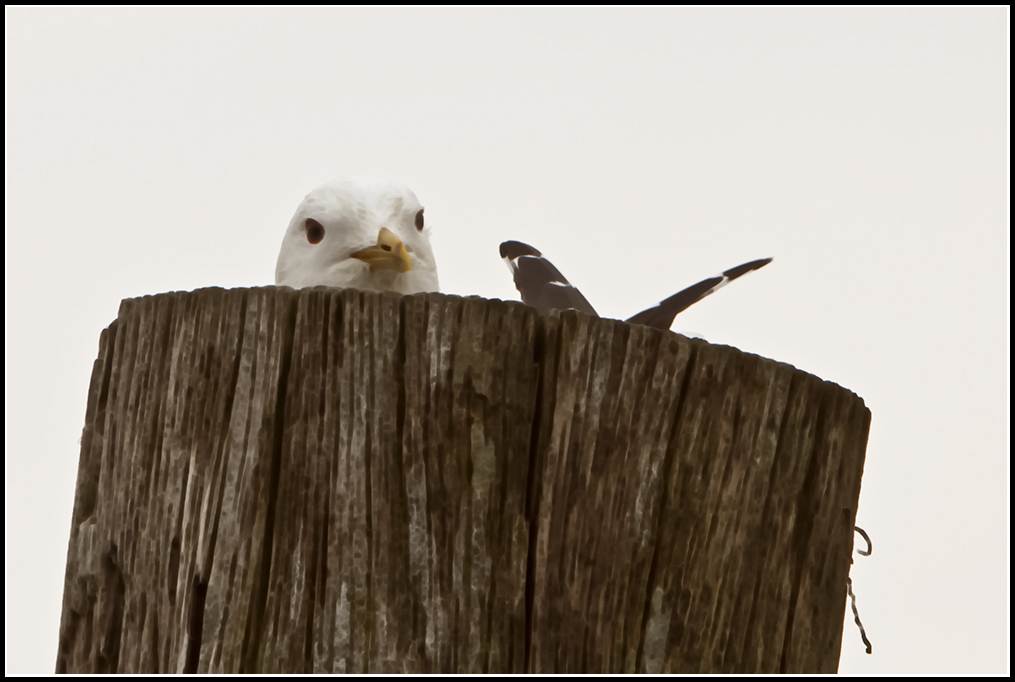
{"x":639,"y":149}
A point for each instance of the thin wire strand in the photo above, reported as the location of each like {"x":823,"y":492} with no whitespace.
{"x":849,"y":586}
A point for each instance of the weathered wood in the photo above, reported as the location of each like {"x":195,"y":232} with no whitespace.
{"x":337,"y":481}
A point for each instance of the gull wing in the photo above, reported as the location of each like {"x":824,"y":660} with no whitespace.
{"x":539,"y":282}
{"x":661,"y":316}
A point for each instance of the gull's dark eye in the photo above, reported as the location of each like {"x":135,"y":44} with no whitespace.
{"x":315,"y":231}
{"x":419,"y":220}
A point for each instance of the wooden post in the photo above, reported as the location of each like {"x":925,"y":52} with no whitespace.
{"x":337,"y":481}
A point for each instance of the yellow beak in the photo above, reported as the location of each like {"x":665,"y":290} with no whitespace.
{"x":389,"y":254}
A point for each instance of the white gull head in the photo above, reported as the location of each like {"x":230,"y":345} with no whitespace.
{"x":358,"y":233}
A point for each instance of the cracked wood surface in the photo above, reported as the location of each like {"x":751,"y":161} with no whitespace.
{"x":330,"y":480}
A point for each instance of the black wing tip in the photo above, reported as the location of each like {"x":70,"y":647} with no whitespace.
{"x":741,"y":270}
{"x":539,"y":282}
{"x":662,"y":315}
{"x":760,"y":263}
{"x":513,"y":250}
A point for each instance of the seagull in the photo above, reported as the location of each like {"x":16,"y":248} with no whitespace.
{"x":358,"y":233}
{"x":543,"y":287}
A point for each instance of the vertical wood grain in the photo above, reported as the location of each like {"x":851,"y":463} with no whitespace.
{"x":332,"y":480}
